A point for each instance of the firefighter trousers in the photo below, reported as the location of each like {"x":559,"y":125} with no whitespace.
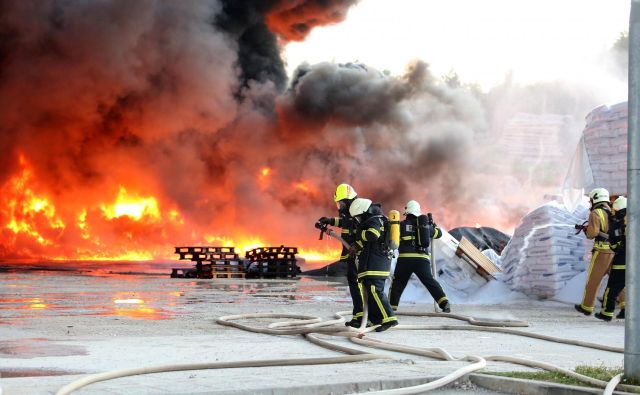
{"x":599,"y":266}
{"x":355,"y":288}
{"x":615,"y":285}
{"x":405,"y":267}
{"x":378,"y":306}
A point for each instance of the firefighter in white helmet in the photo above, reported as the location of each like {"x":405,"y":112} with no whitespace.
{"x":343,"y":197}
{"x":416,"y":232}
{"x":374,"y":260}
{"x":602,"y":255}
{"x":617,"y":241}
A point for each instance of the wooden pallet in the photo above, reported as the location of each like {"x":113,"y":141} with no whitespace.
{"x":483,"y":265}
{"x":205,"y":249}
{"x":228,"y":275}
{"x":272,"y":262}
{"x":210,"y":262}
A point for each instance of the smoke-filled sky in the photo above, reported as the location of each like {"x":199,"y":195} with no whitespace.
{"x":130,"y":127}
{"x":481,"y":40}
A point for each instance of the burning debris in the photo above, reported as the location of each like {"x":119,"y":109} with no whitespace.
{"x":130,"y":126}
{"x":224,"y":262}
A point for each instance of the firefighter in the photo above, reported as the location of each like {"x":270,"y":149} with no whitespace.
{"x":617,"y":241}
{"x":374,"y":260}
{"x":344,"y":196}
{"x":597,"y":229}
{"x":413,"y":257}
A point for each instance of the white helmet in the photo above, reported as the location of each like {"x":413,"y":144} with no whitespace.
{"x":359,"y":206}
{"x":412,"y":207}
{"x":620,"y":203}
{"x":599,"y":195}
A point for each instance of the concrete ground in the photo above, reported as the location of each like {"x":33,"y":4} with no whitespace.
{"x":57,"y":327}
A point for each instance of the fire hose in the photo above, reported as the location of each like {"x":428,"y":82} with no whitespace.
{"x":310,"y":327}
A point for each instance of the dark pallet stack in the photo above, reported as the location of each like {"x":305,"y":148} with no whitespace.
{"x":272,"y":262}
{"x":210,"y":262}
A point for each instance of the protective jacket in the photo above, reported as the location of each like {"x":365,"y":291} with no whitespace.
{"x":601,"y":256}
{"x":370,"y":240}
{"x":348,"y":233}
{"x":599,"y":226}
{"x":409,"y":244}
{"x":616,"y":282}
{"x":413,"y":258}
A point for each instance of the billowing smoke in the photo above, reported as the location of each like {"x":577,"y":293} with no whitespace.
{"x":133,"y":126}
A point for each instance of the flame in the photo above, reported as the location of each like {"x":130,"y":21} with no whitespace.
{"x":314,"y":255}
{"x":25,"y":208}
{"x":133,"y":206}
{"x":131,"y":225}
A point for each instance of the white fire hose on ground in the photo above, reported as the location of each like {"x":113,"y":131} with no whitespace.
{"x":309,"y":327}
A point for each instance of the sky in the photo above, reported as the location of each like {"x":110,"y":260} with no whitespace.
{"x":481,"y":40}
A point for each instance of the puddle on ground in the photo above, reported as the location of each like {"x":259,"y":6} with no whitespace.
{"x":37,"y":347}
{"x":37,"y":294}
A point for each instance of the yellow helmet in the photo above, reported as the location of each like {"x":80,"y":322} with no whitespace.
{"x":344,"y":191}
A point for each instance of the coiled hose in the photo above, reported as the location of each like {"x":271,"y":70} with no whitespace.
{"x":310,"y":327}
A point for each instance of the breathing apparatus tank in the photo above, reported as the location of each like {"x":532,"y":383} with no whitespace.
{"x":394,"y":229}
{"x":423,"y":232}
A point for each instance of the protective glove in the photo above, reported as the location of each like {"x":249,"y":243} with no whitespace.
{"x":325,"y":220}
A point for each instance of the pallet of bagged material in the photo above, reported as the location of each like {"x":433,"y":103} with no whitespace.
{"x":483,"y":265}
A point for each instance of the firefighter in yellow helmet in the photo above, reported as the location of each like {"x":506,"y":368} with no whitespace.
{"x":617,"y":241}
{"x":602,"y":255}
{"x":373,"y":256}
{"x":415,"y":235}
{"x":344,"y":196}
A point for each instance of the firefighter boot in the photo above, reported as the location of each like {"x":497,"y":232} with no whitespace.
{"x":620,"y":314}
{"x":354,"y":323}
{"x":581,"y":310}
{"x":602,"y":317}
{"x":386,"y":325}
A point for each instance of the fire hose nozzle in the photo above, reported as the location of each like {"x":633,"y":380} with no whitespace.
{"x":322,"y":227}
{"x":581,"y":227}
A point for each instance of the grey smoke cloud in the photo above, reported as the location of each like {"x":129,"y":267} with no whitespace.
{"x":186,"y":102}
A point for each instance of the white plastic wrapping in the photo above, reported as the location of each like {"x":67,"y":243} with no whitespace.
{"x":544,"y":252}
{"x":600,"y":159}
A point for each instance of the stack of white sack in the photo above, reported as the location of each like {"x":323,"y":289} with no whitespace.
{"x":544,"y":252}
{"x":455,"y":275}
{"x":605,"y":139}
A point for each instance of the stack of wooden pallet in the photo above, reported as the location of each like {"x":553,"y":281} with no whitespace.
{"x":272,"y":262}
{"x":210,"y":262}
{"x":483,"y":266}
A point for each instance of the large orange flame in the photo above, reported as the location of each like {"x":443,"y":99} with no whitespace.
{"x":132,"y":225}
